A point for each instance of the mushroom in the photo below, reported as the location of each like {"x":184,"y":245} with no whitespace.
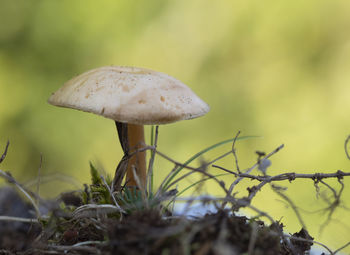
{"x":132,"y":97}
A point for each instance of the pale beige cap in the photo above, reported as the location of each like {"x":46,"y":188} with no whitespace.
{"x":130,"y":95}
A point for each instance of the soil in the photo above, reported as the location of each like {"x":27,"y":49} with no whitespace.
{"x":146,"y":231}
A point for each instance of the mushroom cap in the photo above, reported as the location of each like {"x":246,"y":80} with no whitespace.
{"x":130,"y":95}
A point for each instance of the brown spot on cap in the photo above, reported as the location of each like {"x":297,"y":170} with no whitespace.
{"x":125,"y":88}
{"x":141,"y":101}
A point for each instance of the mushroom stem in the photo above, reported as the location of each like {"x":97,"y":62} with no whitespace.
{"x":136,"y":140}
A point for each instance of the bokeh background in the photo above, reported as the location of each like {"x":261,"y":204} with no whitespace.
{"x":275,"y":69}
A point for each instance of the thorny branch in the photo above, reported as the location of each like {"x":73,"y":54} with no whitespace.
{"x":287,"y":176}
{"x":263,"y":179}
{"x":316,"y":178}
{"x":240,"y":178}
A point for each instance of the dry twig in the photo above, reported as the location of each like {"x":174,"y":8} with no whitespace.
{"x":111,"y":194}
{"x":151,"y":162}
{"x":12,"y":180}
{"x":234,"y":152}
{"x":3,"y":156}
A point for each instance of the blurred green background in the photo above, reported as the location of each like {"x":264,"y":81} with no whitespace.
{"x":276,"y":69}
